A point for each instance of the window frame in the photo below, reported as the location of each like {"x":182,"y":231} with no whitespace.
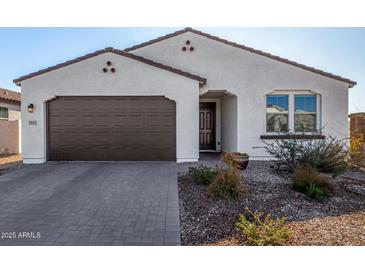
{"x":266,"y":114}
{"x":306,"y":113}
{"x":291,"y":111}
{"x":7,"y":113}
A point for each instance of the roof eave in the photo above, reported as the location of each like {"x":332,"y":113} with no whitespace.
{"x":10,"y":101}
{"x":201,"y":80}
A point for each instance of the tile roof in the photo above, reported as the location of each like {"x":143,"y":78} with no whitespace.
{"x":10,"y":96}
{"x":216,"y":38}
{"x":125,"y":54}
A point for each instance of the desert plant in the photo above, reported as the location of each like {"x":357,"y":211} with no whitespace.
{"x":228,"y":158}
{"x":308,"y":181}
{"x":227,"y":183}
{"x":356,"y":152}
{"x":315,"y":192}
{"x":4,"y":151}
{"x":202,"y":175}
{"x":235,"y":159}
{"x":286,"y":151}
{"x":260,"y":229}
{"x":328,"y":155}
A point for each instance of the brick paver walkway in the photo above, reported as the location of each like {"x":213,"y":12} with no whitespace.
{"x":86,"y":203}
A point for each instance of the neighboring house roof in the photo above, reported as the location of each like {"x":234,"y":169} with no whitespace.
{"x":216,"y":38}
{"x":122,"y":53}
{"x":275,"y":109}
{"x":10,"y":96}
{"x":357,"y":114}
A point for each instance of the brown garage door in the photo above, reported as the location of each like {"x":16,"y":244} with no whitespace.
{"x":103,"y":128}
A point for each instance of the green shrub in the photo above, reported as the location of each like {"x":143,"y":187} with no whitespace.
{"x":262,"y":230}
{"x":227,"y":183}
{"x":202,"y":175}
{"x":286,"y":151}
{"x":315,"y":192}
{"x":308,"y":181}
{"x":327,"y":155}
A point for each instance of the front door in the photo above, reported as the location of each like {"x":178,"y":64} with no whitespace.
{"x":207,"y":126}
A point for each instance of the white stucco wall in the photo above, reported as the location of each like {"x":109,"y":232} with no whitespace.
{"x":131,"y":78}
{"x":250,"y":77}
{"x":13,"y":110}
{"x":229,"y":123}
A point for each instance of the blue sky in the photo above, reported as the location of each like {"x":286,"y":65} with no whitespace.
{"x":340,"y":51}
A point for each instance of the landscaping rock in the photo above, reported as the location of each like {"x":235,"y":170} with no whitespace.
{"x":207,"y":221}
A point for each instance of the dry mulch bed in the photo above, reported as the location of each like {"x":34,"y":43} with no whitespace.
{"x":210,"y":221}
{"x":346,"y":229}
{"x":10,"y":159}
{"x":9,"y":162}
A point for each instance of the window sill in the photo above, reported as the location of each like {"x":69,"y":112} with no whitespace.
{"x":293,"y":136}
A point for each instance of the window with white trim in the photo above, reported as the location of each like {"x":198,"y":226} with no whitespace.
{"x":4,"y":114}
{"x":294,"y":111}
{"x":305,"y":107}
{"x":277,"y":111}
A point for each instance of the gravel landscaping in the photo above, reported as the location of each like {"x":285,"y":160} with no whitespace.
{"x":210,"y":221}
{"x":348,"y":229}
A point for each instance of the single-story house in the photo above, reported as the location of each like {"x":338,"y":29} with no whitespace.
{"x":10,"y":117}
{"x":174,"y":96}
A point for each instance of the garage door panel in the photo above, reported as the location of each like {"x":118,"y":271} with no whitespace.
{"x":94,"y":154}
{"x":112,"y":128}
{"x":76,"y":142}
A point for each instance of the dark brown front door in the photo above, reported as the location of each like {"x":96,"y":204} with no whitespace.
{"x":207,"y":126}
{"x":111,"y":128}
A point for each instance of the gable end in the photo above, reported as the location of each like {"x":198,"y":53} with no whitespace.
{"x":201,"y":80}
{"x":233,"y":44}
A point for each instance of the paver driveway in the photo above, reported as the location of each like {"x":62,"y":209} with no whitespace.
{"x":86,"y":203}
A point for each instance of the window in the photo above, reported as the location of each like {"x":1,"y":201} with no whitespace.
{"x":4,"y":113}
{"x":277,"y":113}
{"x":296,"y":112}
{"x":305,"y":113}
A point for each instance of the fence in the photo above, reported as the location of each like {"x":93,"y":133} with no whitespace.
{"x":9,"y":137}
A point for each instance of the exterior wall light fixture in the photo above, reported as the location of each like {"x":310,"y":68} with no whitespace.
{"x":30,"y":108}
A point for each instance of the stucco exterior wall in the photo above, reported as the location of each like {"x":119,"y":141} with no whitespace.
{"x":13,"y":110}
{"x":131,"y":78}
{"x":250,"y":77}
{"x":229,"y":123}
